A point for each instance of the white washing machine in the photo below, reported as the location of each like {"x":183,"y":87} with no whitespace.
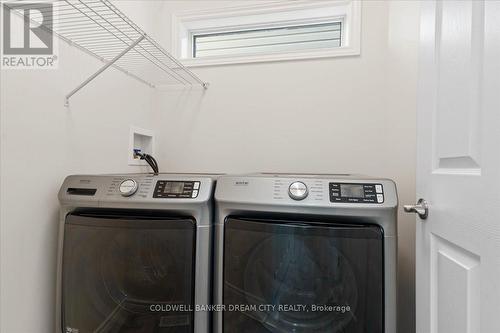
{"x":135,"y":253}
{"x":305,"y":254}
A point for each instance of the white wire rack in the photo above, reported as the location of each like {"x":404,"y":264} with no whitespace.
{"x":99,"y":28}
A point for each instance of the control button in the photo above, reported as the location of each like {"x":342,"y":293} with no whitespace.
{"x":378,"y":188}
{"x":380,"y":198}
{"x":128,"y":187}
{"x":195,"y":194}
{"x":196,"y":185}
{"x":298,"y":191}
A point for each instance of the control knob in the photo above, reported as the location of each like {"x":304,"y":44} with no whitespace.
{"x":298,"y":191}
{"x":128,"y":187}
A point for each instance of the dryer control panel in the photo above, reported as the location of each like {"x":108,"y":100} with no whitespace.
{"x":176,"y":189}
{"x":356,"y":192}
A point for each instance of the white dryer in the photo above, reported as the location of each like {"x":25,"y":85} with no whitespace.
{"x":134,"y":253}
{"x":305,"y":254}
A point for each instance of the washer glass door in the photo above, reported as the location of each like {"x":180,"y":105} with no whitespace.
{"x":302,"y":276}
{"x":126,"y":272}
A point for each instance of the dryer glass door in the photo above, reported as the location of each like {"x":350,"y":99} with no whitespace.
{"x":127,"y":273}
{"x":302,"y":276}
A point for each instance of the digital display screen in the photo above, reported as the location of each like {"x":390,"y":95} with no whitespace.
{"x":352,"y":191}
{"x":174,"y":187}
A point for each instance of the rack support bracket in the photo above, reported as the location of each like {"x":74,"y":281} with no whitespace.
{"x":102,"y":69}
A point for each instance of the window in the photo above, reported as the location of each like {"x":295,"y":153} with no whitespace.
{"x":265,"y":41}
{"x":271,"y":32}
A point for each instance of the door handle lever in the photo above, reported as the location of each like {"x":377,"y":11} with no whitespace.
{"x":421,"y":208}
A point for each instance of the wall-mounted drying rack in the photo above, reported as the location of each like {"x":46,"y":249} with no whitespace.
{"x":100,"y":29}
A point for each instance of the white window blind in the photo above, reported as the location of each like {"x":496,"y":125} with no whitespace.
{"x":269,"y":40}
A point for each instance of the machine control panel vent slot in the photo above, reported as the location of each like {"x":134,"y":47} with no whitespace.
{"x":356,"y":193}
{"x":81,"y":191}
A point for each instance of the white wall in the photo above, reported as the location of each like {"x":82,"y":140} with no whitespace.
{"x":340,"y":115}
{"x":40,"y":143}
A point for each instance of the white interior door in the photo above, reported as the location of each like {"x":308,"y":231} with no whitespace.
{"x":458,"y":245}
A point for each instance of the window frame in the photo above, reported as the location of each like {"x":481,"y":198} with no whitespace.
{"x":273,"y":15}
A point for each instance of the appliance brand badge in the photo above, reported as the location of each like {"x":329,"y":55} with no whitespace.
{"x":241,"y":183}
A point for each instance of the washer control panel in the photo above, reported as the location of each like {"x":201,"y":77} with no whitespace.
{"x":298,"y":191}
{"x":356,"y":193}
{"x":176,"y":189}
